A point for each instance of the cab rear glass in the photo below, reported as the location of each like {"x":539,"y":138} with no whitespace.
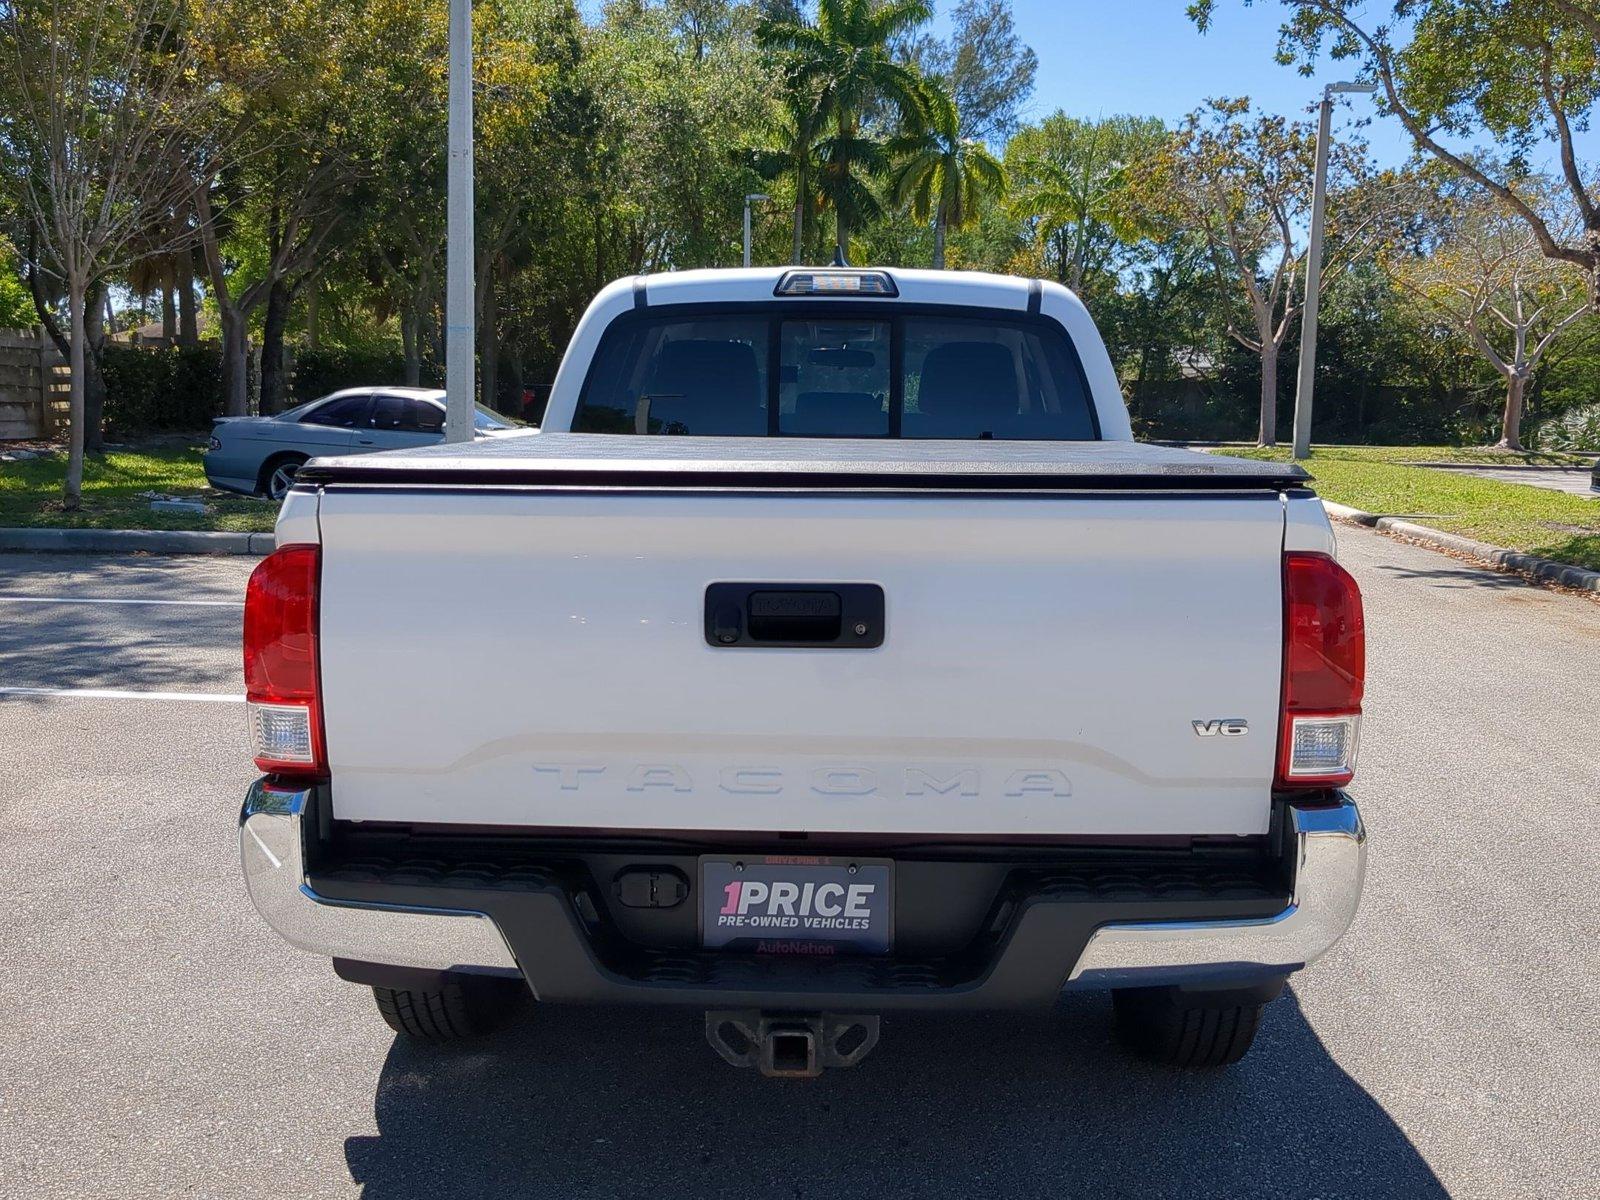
{"x":830,"y":371}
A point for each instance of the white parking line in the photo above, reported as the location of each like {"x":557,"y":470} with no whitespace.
{"x":117,"y":600}
{"x":119,"y":694}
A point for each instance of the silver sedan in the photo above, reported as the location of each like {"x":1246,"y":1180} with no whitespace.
{"x":260,"y":455}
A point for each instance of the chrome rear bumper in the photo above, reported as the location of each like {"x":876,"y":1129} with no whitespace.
{"x":272,"y":848}
{"x":1330,"y":849}
{"x":1329,"y":862}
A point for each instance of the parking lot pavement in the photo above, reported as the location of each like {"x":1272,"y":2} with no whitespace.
{"x":1576,"y":482}
{"x":157,"y":1040}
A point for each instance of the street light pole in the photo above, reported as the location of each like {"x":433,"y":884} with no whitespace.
{"x":1308,"y":322}
{"x":757,"y":198}
{"x":460,"y":339}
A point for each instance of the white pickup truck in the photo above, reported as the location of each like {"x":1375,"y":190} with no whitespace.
{"x":843,"y":654}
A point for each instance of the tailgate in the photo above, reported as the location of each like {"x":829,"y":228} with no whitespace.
{"x":540,"y":659}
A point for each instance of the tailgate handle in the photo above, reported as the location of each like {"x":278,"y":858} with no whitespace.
{"x":823,"y":615}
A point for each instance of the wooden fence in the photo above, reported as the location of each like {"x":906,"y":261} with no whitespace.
{"x":34,"y":385}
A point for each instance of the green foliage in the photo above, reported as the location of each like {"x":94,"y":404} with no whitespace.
{"x":942,"y":174}
{"x":1072,"y":188}
{"x":16,"y":306}
{"x":621,"y":138}
{"x":839,"y":69}
{"x":168,"y":388}
{"x":318,"y":372}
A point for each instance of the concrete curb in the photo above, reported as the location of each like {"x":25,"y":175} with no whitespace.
{"x":1544,"y":570}
{"x":125,"y":541}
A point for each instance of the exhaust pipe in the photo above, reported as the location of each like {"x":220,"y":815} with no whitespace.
{"x":790,"y":1045}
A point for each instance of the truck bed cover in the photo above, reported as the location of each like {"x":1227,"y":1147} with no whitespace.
{"x":578,"y":460}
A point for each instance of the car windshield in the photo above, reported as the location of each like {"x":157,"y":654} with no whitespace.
{"x":822,"y":371}
{"x":487,"y":418}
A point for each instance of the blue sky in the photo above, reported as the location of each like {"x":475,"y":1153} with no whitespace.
{"x":1146,"y":57}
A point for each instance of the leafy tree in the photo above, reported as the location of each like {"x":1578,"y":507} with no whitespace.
{"x":788,"y":159}
{"x":943,"y":174}
{"x":984,"y":65}
{"x":844,"y":64}
{"x":263,"y":226}
{"x":1484,"y":275}
{"x":1524,"y":72}
{"x":100,"y":125}
{"x":1242,"y":184}
{"x":1071,"y":182}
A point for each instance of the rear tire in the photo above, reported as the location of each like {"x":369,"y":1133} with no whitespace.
{"x":1188,"y":1031}
{"x":452,"y":1011}
{"x":277,"y":475}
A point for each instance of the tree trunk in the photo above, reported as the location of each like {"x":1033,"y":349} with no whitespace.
{"x":169,"y":305}
{"x":279,"y":297}
{"x":518,"y":388}
{"x":72,"y":486}
{"x":94,"y":383}
{"x":235,"y":360}
{"x":938,"y":240}
{"x":1267,"y":434}
{"x":409,"y":337}
{"x":799,"y":254}
{"x":188,"y":325}
{"x":488,"y":341}
{"x":1511,"y":418}
{"x":313,"y":313}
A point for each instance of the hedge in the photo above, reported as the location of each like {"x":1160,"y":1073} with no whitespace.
{"x":161,"y":388}
{"x":318,"y":372}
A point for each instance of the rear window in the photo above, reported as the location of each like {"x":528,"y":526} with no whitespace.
{"x":834,"y":373}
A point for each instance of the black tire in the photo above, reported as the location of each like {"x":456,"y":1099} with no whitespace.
{"x":453,"y":1011}
{"x":1186,"y":1031}
{"x":267,"y":481}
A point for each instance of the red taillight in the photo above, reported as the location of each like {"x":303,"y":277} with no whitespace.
{"x":280,"y":662}
{"x":1324,"y":671}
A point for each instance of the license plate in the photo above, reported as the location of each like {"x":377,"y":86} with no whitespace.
{"x":789,"y":904}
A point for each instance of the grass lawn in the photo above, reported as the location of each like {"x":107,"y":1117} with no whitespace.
{"x":30,"y":493}
{"x":1535,"y":520}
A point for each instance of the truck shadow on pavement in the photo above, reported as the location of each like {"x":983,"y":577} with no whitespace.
{"x":1460,"y":577}
{"x":575,"y":1103}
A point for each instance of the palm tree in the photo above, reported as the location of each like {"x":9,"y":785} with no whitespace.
{"x":943,"y":174}
{"x":791,"y":153}
{"x":843,"y":64}
{"x":1071,"y":179}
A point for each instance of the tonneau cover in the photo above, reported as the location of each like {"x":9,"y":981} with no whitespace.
{"x":611,"y":460}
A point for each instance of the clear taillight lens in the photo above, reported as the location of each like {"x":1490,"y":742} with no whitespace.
{"x":281,"y":662}
{"x":1324,"y":672}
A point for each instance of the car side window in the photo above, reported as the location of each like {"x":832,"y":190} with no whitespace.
{"x":346,"y":412}
{"x":392,"y":413}
{"x":405,"y":414}
{"x":429,"y":417}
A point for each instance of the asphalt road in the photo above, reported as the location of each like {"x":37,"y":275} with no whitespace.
{"x":156,"y":1039}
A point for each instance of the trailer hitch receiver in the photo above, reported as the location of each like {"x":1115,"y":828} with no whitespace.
{"x":790,"y":1045}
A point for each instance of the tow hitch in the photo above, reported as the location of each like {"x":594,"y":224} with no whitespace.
{"x":790,"y":1045}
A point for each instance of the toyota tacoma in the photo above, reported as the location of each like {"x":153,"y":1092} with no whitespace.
{"x":834,"y":651}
